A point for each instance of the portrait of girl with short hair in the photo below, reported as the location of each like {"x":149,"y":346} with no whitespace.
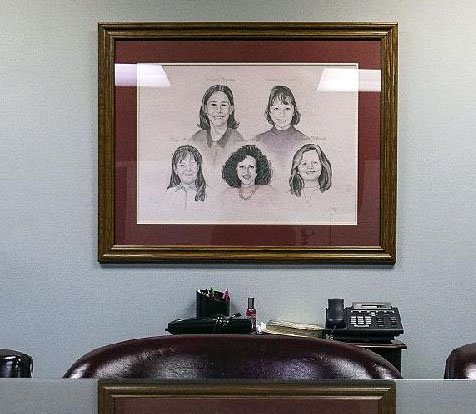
{"x":283,"y":114}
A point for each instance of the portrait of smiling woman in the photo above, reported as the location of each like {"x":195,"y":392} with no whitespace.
{"x":187,"y":185}
{"x":311,"y":172}
{"x":217,"y":122}
{"x":248,"y":173}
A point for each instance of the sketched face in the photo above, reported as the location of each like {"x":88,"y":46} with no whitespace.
{"x":218,"y":109}
{"x":281,"y":114}
{"x":187,"y":169}
{"x":310,"y":166}
{"x":246,"y":171}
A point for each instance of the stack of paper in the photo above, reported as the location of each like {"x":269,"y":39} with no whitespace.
{"x":292,"y":329}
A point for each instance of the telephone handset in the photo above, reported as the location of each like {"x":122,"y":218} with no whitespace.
{"x":364,"y":321}
{"x":335,"y":314}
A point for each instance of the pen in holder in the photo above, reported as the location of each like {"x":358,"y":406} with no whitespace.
{"x":212,"y":302}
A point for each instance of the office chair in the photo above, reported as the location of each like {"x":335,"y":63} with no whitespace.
{"x":14,"y":364}
{"x":232,"y":356}
{"x":461,"y":363}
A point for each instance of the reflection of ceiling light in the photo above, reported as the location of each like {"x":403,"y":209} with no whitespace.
{"x":370,"y":80}
{"x":143,"y":74}
{"x":125,"y":74}
{"x":152,"y":75}
{"x":349,"y":80}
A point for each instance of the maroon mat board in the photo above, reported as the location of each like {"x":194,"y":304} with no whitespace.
{"x":365,"y":233}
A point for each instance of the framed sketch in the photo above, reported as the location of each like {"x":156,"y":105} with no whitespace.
{"x":247,"y":142}
{"x":349,"y":397}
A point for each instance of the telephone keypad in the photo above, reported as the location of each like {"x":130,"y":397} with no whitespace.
{"x":373,"y":319}
{"x":361,"y":320}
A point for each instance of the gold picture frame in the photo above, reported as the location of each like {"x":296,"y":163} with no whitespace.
{"x":371,"y":239}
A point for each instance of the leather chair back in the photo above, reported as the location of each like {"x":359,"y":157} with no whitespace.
{"x":193,"y":357}
{"x":14,"y":364}
{"x":461,"y":363}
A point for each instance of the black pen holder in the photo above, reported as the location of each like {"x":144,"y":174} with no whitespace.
{"x":212,"y":304}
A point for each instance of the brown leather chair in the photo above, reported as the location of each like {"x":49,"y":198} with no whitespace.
{"x":192,"y":357}
{"x":461,"y":363}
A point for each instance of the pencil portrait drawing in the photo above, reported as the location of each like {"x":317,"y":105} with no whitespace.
{"x":248,"y":162}
{"x":187,"y":183}
{"x":247,"y":172}
{"x":218,"y":126}
{"x":311,"y":172}
{"x":283,"y":115}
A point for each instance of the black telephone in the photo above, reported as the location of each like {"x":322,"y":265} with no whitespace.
{"x":364,"y":321}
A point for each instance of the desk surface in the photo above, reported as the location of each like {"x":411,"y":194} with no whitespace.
{"x":59,"y":396}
